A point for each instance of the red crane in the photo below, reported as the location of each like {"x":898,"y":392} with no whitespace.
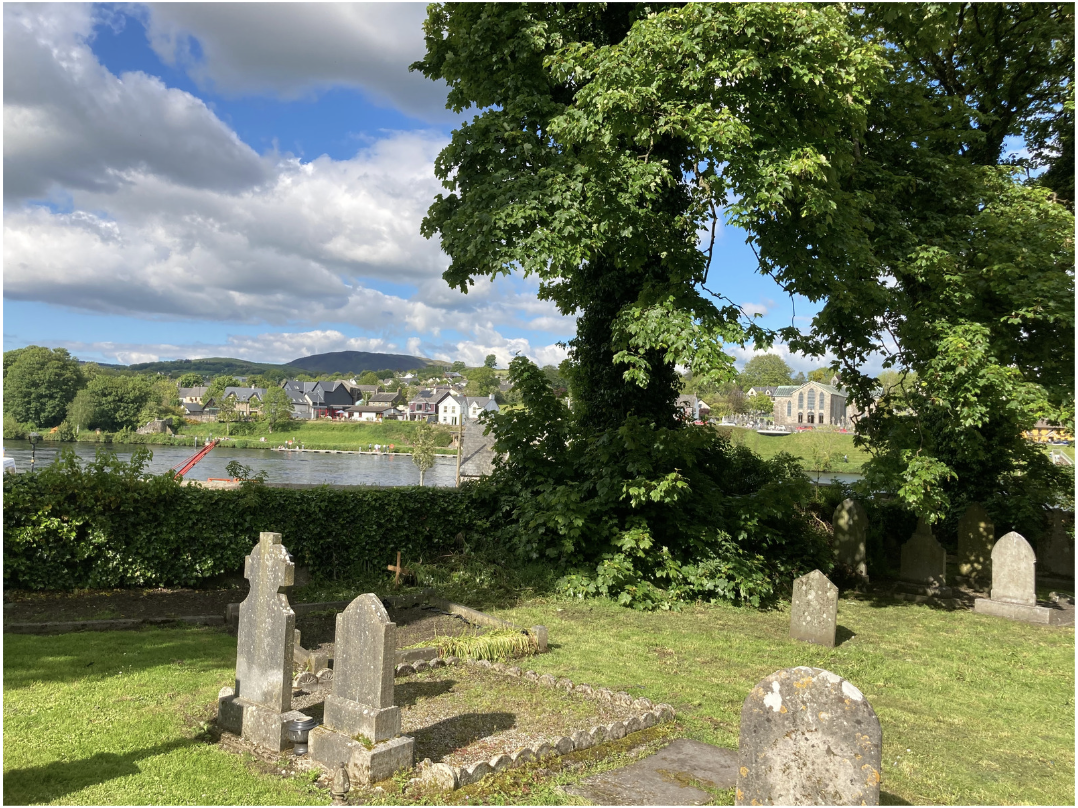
{"x":190,"y":463}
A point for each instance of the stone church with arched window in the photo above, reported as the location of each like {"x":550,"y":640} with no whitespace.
{"x":812,"y":404}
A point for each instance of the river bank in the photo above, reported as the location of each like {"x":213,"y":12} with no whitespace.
{"x":309,"y":467}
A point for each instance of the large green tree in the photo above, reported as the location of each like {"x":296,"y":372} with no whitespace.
{"x":765,"y":370}
{"x":39,"y":383}
{"x":118,"y":402}
{"x":861,"y":150}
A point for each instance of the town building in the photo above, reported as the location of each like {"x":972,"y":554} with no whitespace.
{"x":693,"y":408}
{"x":423,"y":406}
{"x":812,"y":404}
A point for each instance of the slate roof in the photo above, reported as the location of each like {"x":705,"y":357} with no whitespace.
{"x":191,"y":392}
{"x":386,"y":398}
{"x":243,"y":394}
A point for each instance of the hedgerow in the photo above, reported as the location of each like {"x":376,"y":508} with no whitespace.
{"x":107,"y":524}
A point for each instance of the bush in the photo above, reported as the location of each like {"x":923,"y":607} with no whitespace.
{"x":14,"y":429}
{"x":107,"y":524}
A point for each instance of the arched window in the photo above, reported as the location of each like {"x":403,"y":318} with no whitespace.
{"x":789,"y":408}
{"x":800,"y":415}
{"x":823,"y":403}
{"x":820,"y":420}
{"x":800,"y":401}
{"x":810,"y":414}
{"x":812,"y":399}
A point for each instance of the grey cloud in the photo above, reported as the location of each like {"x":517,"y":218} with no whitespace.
{"x":295,"y":49}
{"x":69,"y":122}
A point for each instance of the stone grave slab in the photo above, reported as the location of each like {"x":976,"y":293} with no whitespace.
{"x":1014,"y":594}
{"x":814,"y":610}
{"x":260,"y":704}
{"x":924,"y":563}
{"x":808,"y":737}
{"x":1056,"y":549}
{"x":976,"y":535}
{"x":362,"y":725}
{"x":664,"y":778}
{"x":850,"y":524}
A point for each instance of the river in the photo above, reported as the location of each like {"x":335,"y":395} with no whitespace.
{"x":290,"y":467}
{"x":280,"y":467}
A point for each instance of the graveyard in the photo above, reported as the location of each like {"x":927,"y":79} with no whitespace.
{"x":969,"y":707}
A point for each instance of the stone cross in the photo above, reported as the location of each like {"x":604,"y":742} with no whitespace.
{"x":814,"y":610}
{"x":261,"y":702}
{"x":362,"y":724}
{"x":1014,"y":571}
{"x":850,"y":523}
{"x":924,"y":561}
{"x":808,"y":737}
{"x":267,"y":627}
{"x":976,"y":534}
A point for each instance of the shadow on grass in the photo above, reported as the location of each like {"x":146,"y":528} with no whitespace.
{"x":407,"y":694}
{"x":887,"y":798}
{"x":842,"y":634}
{"x":53,"y":781}
{"x":444,"y":737}
{"x":63,"y":658}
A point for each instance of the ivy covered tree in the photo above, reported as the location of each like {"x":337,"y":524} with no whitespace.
{"x":859,"y":149}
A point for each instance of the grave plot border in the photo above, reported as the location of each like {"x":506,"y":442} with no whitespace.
{"x":449,"y":777}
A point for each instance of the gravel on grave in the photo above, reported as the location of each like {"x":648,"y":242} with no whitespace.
{"x":464,"y":714}
{"x":414,"y":625}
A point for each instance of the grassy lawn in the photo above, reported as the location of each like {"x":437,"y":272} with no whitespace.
{"x":802,"y":444}
{"x":325,"y":434}
{"x":974,"y":710}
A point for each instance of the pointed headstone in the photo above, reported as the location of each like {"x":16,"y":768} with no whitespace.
{"x":808,"y":737}
{"x":1014,"y":577}
{"x":814,"y":610}
{"x":976,"y":535}
{"x":261,"y":702}
{"x":924,"y":561}
{"x":850,"y":524}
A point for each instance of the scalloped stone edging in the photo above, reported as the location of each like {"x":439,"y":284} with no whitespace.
{"x":448,"y":778}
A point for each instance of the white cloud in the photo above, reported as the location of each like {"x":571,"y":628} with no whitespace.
{"x":801,"y":362}
{"x":70,"y":122}
{"x":754,"y":308}
{"x":297,"y":49}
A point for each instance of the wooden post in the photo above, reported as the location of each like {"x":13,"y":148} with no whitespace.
{"x":397,"y":569}
{"x":460,"y":446}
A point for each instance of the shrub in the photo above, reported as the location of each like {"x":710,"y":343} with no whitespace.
{"x":108,"y":524}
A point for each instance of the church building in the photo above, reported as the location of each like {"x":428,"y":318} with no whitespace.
{"x":813,"y":404}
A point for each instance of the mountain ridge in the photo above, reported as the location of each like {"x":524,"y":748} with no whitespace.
{"x":344,"y":362}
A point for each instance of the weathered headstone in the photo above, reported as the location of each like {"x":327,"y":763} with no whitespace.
{"x":924,"y":561}
{"x":976,"y":535}
{"x":1014,"y":592}
{"x":808,"y":737}
{"x":261,"y":703}
{"x":814,"y":610}
{"x":1056,"y":553}
{"x":850,"y":524}
{"x":362,"y":725}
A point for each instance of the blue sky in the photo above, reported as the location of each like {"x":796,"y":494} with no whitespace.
{"x":247,"y":180}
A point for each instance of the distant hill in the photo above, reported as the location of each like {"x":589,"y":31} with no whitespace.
{"x":213,"y":366}
{"x":345,"y":362}
{"x":356,"y":362}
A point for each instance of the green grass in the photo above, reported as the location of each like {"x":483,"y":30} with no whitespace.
{"x":116,"y":718}
{"x":324,"y":434}
{"x":801,"y":444}
{"x":974,"y":710}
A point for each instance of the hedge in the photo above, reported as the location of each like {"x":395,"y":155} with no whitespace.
{"x":104,"y":525}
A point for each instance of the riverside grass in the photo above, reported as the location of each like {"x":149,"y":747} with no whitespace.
{"x":975,"y":710}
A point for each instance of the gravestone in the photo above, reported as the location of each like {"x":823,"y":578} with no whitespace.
{"x":1056,"y":553}
{"x":1014,"y":593}
{"x":814,"y":610}
{"x":261,"y":702}
{"x":924,"y":561}
{"x":976,"y":535}
{"x":808,"y":737}
{"x":850,"y":524}
{"x":362,"y":725}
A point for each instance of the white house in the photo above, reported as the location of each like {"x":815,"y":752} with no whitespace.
{"x":478,"y":404}
{"x":451,"y":409}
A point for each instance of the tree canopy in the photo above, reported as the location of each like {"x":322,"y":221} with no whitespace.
{"x":39,"y":383}
{"x":765,"y":370}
